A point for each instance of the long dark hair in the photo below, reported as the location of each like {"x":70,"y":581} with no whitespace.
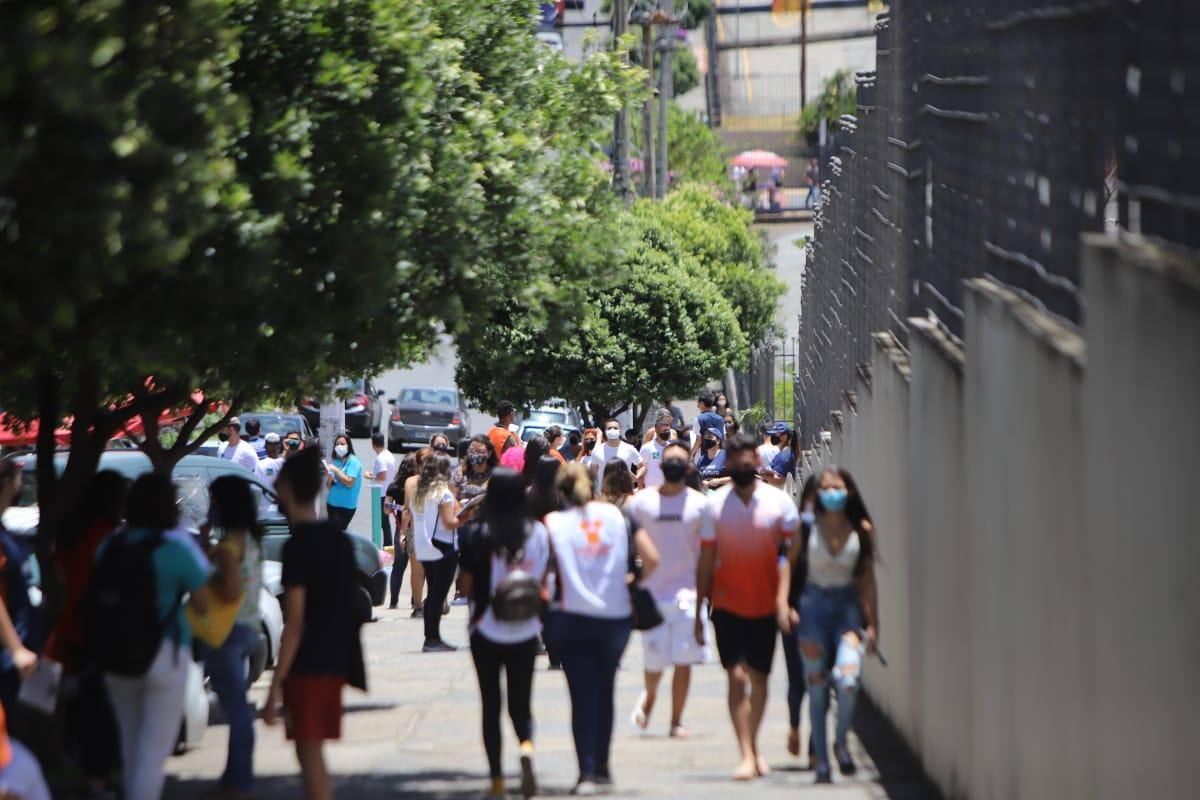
{"x":544,"y":496}
{"x":535,"y":448}
{"x":856,"y":511}
{"x":493,"y":458}
{"x":232,"y":505}
{"x":349,"y":444}
{"x":506,"y":512}
{"x":103,"y":501}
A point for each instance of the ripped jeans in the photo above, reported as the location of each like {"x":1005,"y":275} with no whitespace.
{"x":826,"y":614}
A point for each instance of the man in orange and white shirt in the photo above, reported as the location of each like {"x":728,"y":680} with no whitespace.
{"x":740,"y":565}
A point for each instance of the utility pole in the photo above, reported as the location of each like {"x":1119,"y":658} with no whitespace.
{"x":803,"y":54}
{"x":648,"y":107}
{"x":620,"y":18}
{"x":665,"y":90}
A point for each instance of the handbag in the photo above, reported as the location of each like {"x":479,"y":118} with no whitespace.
{"x":214,"y":625}
{"x":645,"y":611}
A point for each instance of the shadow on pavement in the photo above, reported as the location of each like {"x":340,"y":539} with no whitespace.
{"x":900,"y":772}
{"x":428,"y":785}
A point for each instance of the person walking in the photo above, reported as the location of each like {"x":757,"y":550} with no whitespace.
{"x":473,"y":473}
{"x":789,"y":636}
{"x":503,"y":567}
{"x":618,"y":483}
{"x":677,"y":519}
{"x":570,"y":451}
{"x":739,"y":571}
{"x":89,"y":725}
{"x":500,"y":434}
{"x":270,"y":464}
{"x":770,"y":443}
{"x":591,"y":616}
{"x":434,"y":519}
{"x":556,"y":440}
{"x":254,"y":438}
{"x":238,"y":557}
{"x":708,"y":420}
{"x":543,"y":493}
{"x":417,"y":576}
{"x":710,"y":460}
{"x":146,"y":699}
{"x":345,"y":476}
{"x":603,"y":455}
{"x":293,"y":442}
{"x":812,"y":178}
{"x":838,"y":611}
{"x":234,"y":448}
{"x":400,"y":544}
{"x":783,"y":464}
{"x":651,"y":454}
{"x":381,"y":474}
{"x":321,"y":650}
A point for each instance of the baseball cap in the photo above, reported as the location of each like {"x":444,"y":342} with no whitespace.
{"x":234,"y":421}
{"x":272,"y":438}
{"x":780,"y":428}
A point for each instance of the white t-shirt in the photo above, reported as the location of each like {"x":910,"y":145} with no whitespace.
{"x":385,"y":468}
{"x":591,"y":547}
{"x":602,"y":455}
{"x":242,"y":454}
{"x":427,"y":527}
{"x":534,"y":559}
{"x":269,"y":469}
{"x":677,"y":524}
{"x":767,"y":453}
{"x":651,"y":456}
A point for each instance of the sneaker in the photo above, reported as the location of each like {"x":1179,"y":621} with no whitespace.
{"x":845,"y":761}
{"x":438,"y":647}
{"x":586,"y":788}
{"x":528,"y":779}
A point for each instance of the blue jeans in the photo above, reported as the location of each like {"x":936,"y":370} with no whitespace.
{"x":826,"y":614}
{"x":227,"y":669}
{"x":590,"y":649}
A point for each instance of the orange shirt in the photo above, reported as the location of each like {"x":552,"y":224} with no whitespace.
{"x":749,"y":539}
{"x":499,"y":436}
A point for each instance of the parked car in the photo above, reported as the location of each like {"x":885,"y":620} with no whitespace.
{"x":419,"y":412}
{"x":529,"y":429}
{"x":364,"y":408}
{"x":554,"y":412}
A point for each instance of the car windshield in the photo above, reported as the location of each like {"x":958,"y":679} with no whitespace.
{"x":528,"y":433}
{"x":348,"y":385}
{"x":433,"y":397}
{"x":546,"y":415}
{"x":274,"y":424}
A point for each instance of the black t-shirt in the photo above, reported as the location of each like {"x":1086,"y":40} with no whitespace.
{"x":320,"y":558}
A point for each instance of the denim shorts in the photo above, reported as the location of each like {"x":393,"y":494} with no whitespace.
{"x":825,"y":614}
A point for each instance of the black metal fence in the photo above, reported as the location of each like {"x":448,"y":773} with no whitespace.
{"x":985,"y":142}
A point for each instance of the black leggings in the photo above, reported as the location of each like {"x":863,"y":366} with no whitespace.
{"x":517,"y":660}
{"x":439,"y":575}
{"x":341,"y":516}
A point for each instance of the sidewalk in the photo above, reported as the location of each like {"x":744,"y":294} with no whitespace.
{"x":417,"y":735}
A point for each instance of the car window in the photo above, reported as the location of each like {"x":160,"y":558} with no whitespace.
{"x":528,"y":433}
{"x":543,"y":415}
{"x":440,"y":397}
{"x":277,"y":424}
{"x":264,"y":501}
{"x":192,"y":498}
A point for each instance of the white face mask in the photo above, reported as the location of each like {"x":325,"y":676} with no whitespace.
{"x":341,"y":450}
{"x":612,"y":433}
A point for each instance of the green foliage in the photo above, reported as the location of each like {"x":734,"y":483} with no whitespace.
{"x":722,"y":239}
{"x":838,"y":96}
{"x":694,"y":151}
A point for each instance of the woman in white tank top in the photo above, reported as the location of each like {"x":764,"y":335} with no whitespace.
{"x":838,"y":613}
{"x":590,"y":618}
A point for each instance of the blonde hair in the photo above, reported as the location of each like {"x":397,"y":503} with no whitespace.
{"x":575,"y":484}
{"x":434,"y":480}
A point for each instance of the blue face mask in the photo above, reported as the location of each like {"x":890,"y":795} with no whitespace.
{"x":833,"y":499}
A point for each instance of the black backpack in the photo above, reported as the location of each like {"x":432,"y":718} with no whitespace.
{"x":518,"y":595}
{"x":121,"y":618}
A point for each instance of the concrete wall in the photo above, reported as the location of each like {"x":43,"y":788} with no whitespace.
{"x":1038,"y":594}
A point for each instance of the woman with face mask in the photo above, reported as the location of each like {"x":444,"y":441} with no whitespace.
{"x":345,"y":481}
{"x":838,"y":616}
{"x":710,"y":461}
{"x":473,"y":472}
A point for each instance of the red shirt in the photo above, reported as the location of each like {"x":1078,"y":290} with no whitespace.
{"x":749,"y":539}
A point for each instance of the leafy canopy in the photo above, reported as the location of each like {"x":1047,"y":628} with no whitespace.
{"x":838,"y":96}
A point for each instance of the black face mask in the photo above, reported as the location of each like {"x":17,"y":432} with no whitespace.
{"x":475,"y":459}
{"x":664,"y":435}
{"x":441,"y":448}
{"x":709,"y":444}
{"x":743,"y":476}
{"x":588,"y":444}
{"x":674,"y":470}
{"x":223,"y":436}
{"x":776,"y":439}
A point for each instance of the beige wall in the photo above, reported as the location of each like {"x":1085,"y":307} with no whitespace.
{"x":1039,"y":601}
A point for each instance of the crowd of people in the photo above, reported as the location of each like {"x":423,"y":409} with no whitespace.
{"x":562,"y":545}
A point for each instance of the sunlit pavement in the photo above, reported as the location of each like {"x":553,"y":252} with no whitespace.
{"x":416,"y":734}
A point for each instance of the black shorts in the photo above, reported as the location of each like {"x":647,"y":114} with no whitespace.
{"x":745,"y":640}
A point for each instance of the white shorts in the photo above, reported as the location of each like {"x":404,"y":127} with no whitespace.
{"x":673,"y":643}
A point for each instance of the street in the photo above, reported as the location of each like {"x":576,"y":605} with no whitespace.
{"x":416,"y":734}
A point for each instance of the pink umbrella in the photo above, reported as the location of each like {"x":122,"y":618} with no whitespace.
{"x":751,"y":159}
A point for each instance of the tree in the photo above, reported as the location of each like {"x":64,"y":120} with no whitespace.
{"x":252,"y":199}
{"x":694,"y":150}
{"x":722,"y":239}
{"x":839,"y":95}
{"x":659,"y":326}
